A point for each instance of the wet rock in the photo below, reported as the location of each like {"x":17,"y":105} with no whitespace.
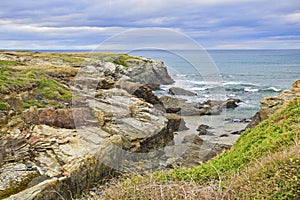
{"x":238,"y":120}
{"x":181,"y":91}
{"x":224,"y":135}
{"x":231,"y":103}
{"x":193,"y":139}
{"x":237,"y":132}
{"x":202,"y":129}
{"x":176,"y":123}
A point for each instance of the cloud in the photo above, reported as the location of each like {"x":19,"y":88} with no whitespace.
{"x":213,"y":23}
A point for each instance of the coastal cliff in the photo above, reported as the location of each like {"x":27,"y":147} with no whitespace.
{"x":53,"y":144}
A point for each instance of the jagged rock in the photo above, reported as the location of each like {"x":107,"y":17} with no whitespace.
{"x":202,"y":129}
{"x":176,"y":123}
{"x":180,"y":91}
{"x":270,"y":105}
{"x":171,"y":105}
{"x":146,"y":93}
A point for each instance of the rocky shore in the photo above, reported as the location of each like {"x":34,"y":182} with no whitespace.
{"x":71,"y":119}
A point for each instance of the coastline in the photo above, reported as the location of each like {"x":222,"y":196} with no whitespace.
{"x":54,"y":139}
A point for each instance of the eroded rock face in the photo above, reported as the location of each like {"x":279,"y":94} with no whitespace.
{"x":270,"y":105}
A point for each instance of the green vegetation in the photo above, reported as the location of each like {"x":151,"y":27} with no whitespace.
{"x":275,"y":177}
{"x":122,"y":59}
{"x":272,"y":136}
{"x":18,"y":186}
{"x":10,"y":63}
{"x":50,"y":89}
{"x":4,"y":106}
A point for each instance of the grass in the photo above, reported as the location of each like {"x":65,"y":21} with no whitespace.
{"x":274,"y":134}
{"x":10,"y":63}
{"x":4,"y":106}
{"x":276,"y":176}
{"x":42,"y":82}
{"x":270,"y":138}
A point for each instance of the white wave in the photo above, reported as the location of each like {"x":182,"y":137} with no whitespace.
{"x":180,"y":75}
{"x":249,"y":89}
{"x":231,"y":95}
{"x":238,"y":83}
{"x":206,"y":82}
{"x":274,"y":89}
{"x":199,"y":88}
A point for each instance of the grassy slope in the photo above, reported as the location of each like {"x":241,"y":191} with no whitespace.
{"x":276,"y":179}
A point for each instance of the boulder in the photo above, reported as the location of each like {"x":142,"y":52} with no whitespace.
{"x":202,"y":129}
{"x":180,"y":91}
{"x":193,"y":139}
{"x":176,"y":123}
{"x":231,"y":103}
{"x":171,"y":105}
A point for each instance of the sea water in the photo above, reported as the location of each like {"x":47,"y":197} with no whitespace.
{"x":248,"y":75}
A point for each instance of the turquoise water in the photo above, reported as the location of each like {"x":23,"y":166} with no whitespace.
{"x":248,"y":75}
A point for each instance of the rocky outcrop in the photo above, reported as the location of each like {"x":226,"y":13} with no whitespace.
{"x":51,"y":153}
{"x":270,"y":105}
{"x":180,"y":91}
{"x":147,"y":71}
{"x":174,"y":105}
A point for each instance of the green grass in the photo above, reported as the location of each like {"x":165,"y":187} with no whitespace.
{"x":274,"y":134}
{"x":50,"y":89}
{"x":10,"y":63}
{"x":4,"y":106}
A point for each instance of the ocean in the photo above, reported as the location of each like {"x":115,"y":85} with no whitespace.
{"x":248,"y":75}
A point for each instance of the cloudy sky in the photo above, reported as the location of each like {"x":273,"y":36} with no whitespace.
{"x":214,"y":24}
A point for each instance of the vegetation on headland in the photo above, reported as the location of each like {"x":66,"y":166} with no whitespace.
{"x":262,"y":164}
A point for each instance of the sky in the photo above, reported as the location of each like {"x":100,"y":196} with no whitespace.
{"x":214,"y":24}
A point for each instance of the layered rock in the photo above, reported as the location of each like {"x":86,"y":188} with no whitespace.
{"x":50,"y":153}
{"x":270,"y":105}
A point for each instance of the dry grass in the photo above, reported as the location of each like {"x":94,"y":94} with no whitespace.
{"x":149,"y":188}
{"x":276,"y":176}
